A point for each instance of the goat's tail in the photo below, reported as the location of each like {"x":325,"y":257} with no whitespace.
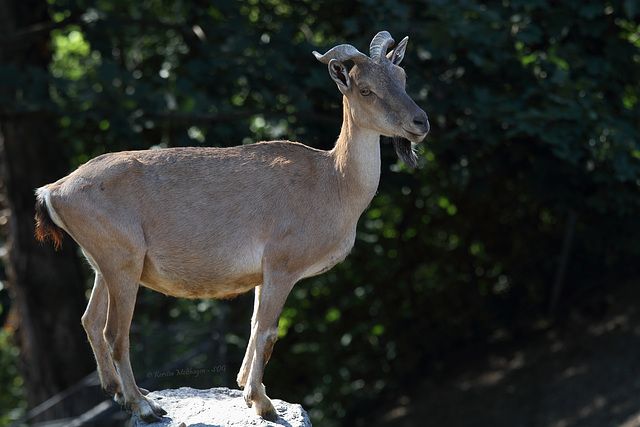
{"x":46,"y":228}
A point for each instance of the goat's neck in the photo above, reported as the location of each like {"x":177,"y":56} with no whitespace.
{"x":357,"y":162}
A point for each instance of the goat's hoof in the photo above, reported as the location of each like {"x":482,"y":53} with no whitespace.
{"x":157,"y":409}
{"x":151,"y":417}
{"x":266,"y":410}
{"x":144,"y":391}
{"x":111,"y":389}
{"x":119,"y":398}
{"x":248,"y":401}
{"x":241,"y":380}
{"x":257,"y":398}
{"x":249,"y":395}
{"x":152,"y":413}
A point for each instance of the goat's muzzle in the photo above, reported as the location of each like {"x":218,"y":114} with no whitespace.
{"x":421,"y":122}
{"x":418,"y":128}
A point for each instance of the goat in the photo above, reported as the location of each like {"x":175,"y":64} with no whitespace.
{"x":218,"y":222}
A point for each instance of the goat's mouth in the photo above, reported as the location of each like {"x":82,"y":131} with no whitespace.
{"x":414,"y":137}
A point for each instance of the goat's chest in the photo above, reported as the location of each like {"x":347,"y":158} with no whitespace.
{"x":329,"y":256}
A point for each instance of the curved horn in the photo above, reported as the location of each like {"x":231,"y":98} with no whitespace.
{"x":379,"y":46}
{"x":341,"y":52}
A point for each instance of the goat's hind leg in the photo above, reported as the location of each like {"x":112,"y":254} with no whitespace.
{"x":93,"y":321}
{"x":122,"y":302}
{"x":111,"y":307}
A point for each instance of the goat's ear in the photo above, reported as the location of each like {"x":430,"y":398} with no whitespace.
{"x":340,"y":75}
{"x":397,"y":55}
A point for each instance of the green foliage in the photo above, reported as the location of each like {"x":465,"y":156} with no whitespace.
{"x":12,"y":398}
{"x":534,"y":112}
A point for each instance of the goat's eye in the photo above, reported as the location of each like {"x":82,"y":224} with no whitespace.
{"x":365,"y":92}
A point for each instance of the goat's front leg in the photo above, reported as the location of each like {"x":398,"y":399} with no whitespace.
{"x":122,"y":300}
{"x":264,"y":334}
{"x":243,"y":374}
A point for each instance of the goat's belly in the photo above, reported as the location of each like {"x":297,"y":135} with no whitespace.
{"x":224,"y":289}
{"x":214,"y":280}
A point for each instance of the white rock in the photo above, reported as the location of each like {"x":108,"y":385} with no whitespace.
{"x":217,"y":407}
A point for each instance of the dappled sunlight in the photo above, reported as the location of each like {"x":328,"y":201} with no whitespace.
{"x":584,"y":373}
{"x":620,"y":321}
{"x":573,"y":371}
{"x":632,"y":421}
{"x":502,"y":367}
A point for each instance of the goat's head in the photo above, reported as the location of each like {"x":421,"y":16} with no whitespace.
{"x":375,"y":92}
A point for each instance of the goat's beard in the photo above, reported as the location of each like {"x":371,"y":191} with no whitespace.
{"x":405,"y":152}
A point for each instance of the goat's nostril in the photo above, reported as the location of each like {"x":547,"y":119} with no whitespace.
{"x":422,"y":122}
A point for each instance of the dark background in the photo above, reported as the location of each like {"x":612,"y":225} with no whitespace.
{"x":525,"y":204}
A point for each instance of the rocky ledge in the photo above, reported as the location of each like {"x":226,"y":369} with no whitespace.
{"x":189,"y":407}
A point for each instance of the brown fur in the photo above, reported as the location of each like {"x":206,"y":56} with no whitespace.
{"x":217,"y":222}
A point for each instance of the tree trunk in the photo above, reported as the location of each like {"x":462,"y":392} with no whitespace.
{"x":47,"y":287}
